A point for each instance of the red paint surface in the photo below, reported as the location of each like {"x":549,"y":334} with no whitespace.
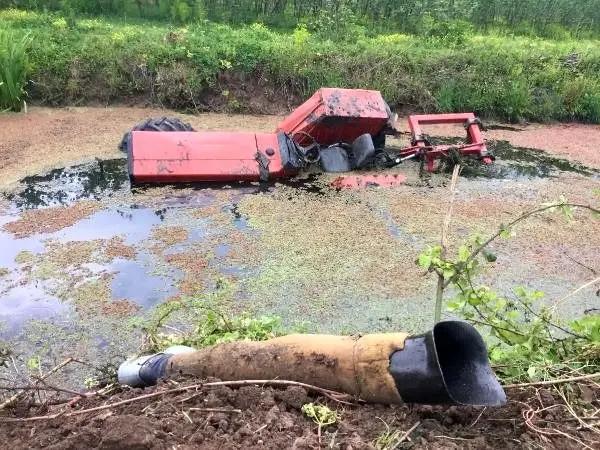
{"x":201,"y":156}
{"x":362,"y":181}
{"x":337,"y":115}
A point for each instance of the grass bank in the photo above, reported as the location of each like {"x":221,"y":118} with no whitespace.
{"x":512,"y":78}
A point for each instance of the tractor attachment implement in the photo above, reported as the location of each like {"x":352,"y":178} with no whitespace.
{"x":341,"y":130}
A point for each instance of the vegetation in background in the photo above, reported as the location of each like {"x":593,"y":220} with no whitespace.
{"x":14,"y":66}
{"x":448,"y":69}
{"x":557,"y":19}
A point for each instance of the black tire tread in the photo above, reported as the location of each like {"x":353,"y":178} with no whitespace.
{"x":159,"y":124}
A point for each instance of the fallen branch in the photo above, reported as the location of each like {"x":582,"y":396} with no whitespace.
{"x":45,"y":387}
{"x":217,"y":410}
{"x":553,"y":382}
{"x":19,"y":394}
{"x":405,"y":435}
{"x":439,"y":297}
{"x":336,"y":396}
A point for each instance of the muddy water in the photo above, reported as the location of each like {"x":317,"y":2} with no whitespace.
{"x":341,"y":261}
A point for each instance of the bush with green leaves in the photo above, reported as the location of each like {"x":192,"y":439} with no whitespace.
{"x":528,"y":340}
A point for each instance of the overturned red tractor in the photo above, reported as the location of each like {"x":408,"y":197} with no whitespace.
{"x":341,"y":130}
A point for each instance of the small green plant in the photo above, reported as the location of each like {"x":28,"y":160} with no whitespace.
{"x":34,"y":364}
{"x":387,"y":440}
{"x":211,"y":325}
{"x":321,"y":415}
{"x":14,"y":67}
{"x":102,"y":377}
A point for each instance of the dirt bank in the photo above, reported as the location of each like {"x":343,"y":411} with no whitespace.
{"x":44,"y":138}
{"x":252,"y":417}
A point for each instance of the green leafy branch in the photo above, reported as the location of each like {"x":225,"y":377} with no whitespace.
{"x":210,"y":324}
{"x":526,"y":336}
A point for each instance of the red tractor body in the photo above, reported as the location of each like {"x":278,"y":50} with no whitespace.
{"x":341,"y":129}
{"x":172,"y":157}
{"x":337,"y":115}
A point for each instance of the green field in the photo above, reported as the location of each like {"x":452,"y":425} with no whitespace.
{"x":81,"y":60}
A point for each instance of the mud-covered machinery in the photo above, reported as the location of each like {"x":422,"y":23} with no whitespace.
{"x":340,"y":130}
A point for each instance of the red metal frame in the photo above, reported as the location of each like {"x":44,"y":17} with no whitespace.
{"x":475,"y":146}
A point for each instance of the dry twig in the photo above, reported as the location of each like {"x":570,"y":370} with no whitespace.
{"x":336,"y":396}
{"x":553,"y":382}
{"x":444,"y":244}
{"x":405,"y":435}
{"x":570,"y":294}
{"x":19,"y":394}
{"x":530,"y":414}
{"x":217,"y":410}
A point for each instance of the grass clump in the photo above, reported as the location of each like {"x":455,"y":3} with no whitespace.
{"x":201,"y":321}
{"x":14,"y":67}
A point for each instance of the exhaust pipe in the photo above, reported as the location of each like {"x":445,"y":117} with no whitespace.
{"x":448,"y":365}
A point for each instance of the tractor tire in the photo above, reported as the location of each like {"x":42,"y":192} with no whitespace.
{"x":161,"y":124}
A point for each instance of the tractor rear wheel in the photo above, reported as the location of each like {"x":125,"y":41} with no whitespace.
{"x":160,"y":124}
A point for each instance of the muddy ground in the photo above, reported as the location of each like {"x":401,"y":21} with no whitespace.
{"x":84,"y":257}
{"x":261,"y":417}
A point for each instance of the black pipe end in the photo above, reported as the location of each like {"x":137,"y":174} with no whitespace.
{"x":447,"y":365}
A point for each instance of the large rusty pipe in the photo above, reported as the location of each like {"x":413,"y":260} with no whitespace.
{"x":446,"y":365}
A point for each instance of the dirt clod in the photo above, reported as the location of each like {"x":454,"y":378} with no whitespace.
{"x":181,"y":420}
{"x":293,"y":397}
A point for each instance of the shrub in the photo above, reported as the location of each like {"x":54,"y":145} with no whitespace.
{"x":502,"y":77}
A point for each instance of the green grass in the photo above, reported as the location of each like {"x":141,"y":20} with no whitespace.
{"x":13,"y":68}
{"x":495,"y":75}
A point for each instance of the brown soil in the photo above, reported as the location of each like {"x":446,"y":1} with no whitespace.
{"x":253,"y":417}
{"x":45,"y":137}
